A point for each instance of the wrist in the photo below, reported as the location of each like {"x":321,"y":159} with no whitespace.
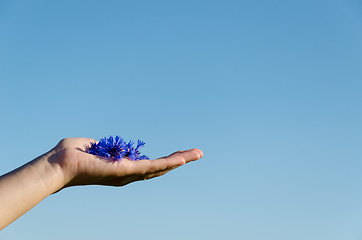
{"x":50,"y":171}
{"x":63,"y":163}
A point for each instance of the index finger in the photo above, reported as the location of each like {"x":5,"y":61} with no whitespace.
{"x":174,"y":160}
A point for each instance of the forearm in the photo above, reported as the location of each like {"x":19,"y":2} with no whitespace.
{"x":23,"y":188}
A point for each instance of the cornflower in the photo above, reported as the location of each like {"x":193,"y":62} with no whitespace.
{"x":116,"y":148}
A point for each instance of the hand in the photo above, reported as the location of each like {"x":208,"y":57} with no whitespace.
{"x":81,"y":168}
{"x":68,"y":164}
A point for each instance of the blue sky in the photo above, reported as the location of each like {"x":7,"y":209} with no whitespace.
{"x":269,"y":90}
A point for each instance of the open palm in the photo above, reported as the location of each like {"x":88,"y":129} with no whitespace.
{"x":81,"y":168}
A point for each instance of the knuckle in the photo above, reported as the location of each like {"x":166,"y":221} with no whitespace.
{"x":63,"y":143}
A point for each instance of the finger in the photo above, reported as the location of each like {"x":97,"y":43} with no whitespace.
{"x":157,"y":174}
{"x":174,"y":160}
{"x":143,"y":167}
{"x":189,"y":155}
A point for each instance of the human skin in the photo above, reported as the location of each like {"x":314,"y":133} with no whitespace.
{"x":66,"y":165}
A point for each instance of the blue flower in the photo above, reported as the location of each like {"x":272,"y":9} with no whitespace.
{"x":132,"y":154}
{"x":142,"y":157}
{"x":116,"y":148}
{"x":140,"y":144}
{"x":93,"y":148}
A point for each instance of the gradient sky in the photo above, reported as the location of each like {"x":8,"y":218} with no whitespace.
{"x":271,"y":91}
